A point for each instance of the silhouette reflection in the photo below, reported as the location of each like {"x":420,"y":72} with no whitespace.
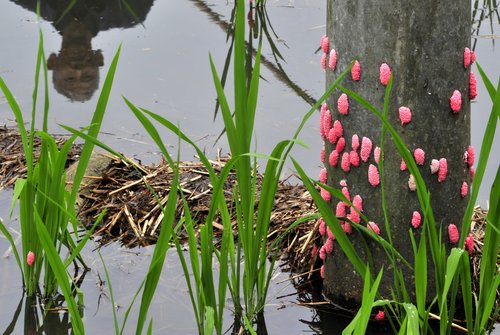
{"x":75,"y":68}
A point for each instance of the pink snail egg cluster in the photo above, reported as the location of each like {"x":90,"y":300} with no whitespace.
{"x":472,"y":86}
{"x":404,"y":115}
{"x":443,"y":169}
{"x":340,"y":145}
{"x":419,"y":155}
{"x":355,"y":142}
{"x":357,"y":202}
{"x":325,"y":44}
{"x":366,"y":148}
{"x":376,"y":154}
{"x":464,"y":190}
{"x":456,"y":101}
{"x":412,"y":185}
{"x":343,"y":104}
{"x":30,"y":258}
{"x":434,"y":166}
{"x":354,"y":158}
{"x":333,"y":159}
{"x":356,"y":71}
{"x":345,"y":164}
{"x":323,"y":61}
{"x":453,"y":233}
{"x":345,"y":192}
{"x":416,"y":219}
{"x":332,"y":60}
{"x":373,"y":227}
{"x":385,"y":74}
{"x":469,"y":243}
{"x":373,"y":175}
{"x":403,"y":166}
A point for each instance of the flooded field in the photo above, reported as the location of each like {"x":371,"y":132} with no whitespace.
{"x":164,"y":67}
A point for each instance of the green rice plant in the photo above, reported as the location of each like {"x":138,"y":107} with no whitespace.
{"x":150,"y":283}
{"x":252,"y":219}
{"x":449,"y":269}
{"x":42,"y":194}
{"x":250,"y":278}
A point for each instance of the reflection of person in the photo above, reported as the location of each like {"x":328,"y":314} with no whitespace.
{"x":75,"y":69}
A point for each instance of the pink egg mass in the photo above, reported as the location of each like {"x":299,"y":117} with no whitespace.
{"x":385,"y":74}
{"x":467,"y":57}
{"x":453,"y":233}
{"x":469,"y":243}
{"x":30,"y":258}
{"x":373,"y":227}
{"x":404,"y":115}
{"x":456,"y":101}
{"x":338,"y":128}
{"x":333,"y":159}
{"x":345,"y":164}
{"x":356,"y":71}
{"x":376,"y":154}
{"x":472,"y":86}
{"x":443,"y":169}
{"x":419,"y":155}
{"x":340,"y":145}
{"x":415,"y":219}
{"x":355,"y":142}
{"x":366,"y":148}
{"x":402,"y":166}
{"x":470,"y":155}
{"x":373,"y":175}
{"x":325,"y":44}
{"x":322,"y":175}
{"x":412,"y":185}
{"x":343,"y":104}
{"x":354,"y":158}
{"x":345,"y":192}
{"x":434,"y":166}
{"x":340,"y":209}
{"x":464,"y":190}
{"x":357,"y":202}
{"x":332,"y":60}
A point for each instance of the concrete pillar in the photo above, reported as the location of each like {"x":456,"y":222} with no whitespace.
{"x":423,"y":44}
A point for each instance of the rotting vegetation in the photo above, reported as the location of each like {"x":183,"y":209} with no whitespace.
{"x":134,"y":218}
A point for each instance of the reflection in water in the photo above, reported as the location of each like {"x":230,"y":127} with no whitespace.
{"x":42,"y":316}
{"x":75,"y":69}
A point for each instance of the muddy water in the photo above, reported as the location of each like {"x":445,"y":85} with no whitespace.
{"x":164,"y":67}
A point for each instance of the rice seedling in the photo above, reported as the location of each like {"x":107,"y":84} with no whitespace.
{"x":249,"y":273}
{"x":450,"y":269}
{"x":46,"y":206}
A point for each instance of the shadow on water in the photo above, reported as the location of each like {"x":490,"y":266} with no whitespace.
{"x":75,"y":68}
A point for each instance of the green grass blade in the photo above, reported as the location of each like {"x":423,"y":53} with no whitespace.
{"x":111,"y":295}
{"x":209,"y":322}
{"x":9,"y":238}
{"x":158,"y":257}
{"x":20,"y":124}
{"x":412,"y":319}
{"x":58,"y":268}
{"x":95,"y":126}
{"x":486,"y":146}
{"x":332,"y":222}
{"x":489,"y":86}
